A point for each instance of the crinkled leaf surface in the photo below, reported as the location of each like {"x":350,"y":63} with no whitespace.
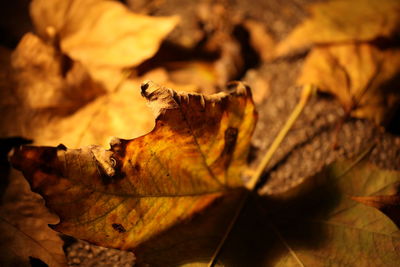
{"x":103,"y":35}
{"x":364,"y":78}
{"x":24,"y":227}
{"x":339,"y":21}
{"x":140,"y":188}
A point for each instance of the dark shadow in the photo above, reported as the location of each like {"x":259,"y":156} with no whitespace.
{"x":267,"y":228}
{"x":392,"y":121}
{"x":6,"y":144}
{"x":35,"y":262}
{"x":68,"y":241}
{"x":250,"y":56}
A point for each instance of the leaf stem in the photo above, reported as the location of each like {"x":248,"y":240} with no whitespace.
{"x":307,"y":91}
{"x":305,"y":95}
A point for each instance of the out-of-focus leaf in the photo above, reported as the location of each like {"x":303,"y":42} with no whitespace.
{"x":389,"y":205}
{"x":339,"y":21}
{"x":122,"y":113}
{"x":103,"y":35}
{"x":41,"y":86}
{"x":24,"y":227}
{"x":46,"y":79}
{"x":260,"y":39}
{"x":140,"y":188}
{"x":365,"y":79}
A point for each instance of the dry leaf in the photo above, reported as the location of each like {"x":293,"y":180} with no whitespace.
{"x":140,"y":188}
{"x":389,"y":205}
{"x":318,"y":224}
{"x":39,"y":88}
{"x":363,"y":78}
{"x":261,"y":40}
{"x":103,"y":35}
{"x":340,"y":21}
{"x":24,"y":227}
{"x":122,"y":113}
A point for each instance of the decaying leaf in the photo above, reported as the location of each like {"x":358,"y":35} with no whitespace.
{"x":340,"y":21}
{"x":389,"y":205}
{"x":364,"y":78}
{"x":103,"y":35}
{"x":140,"y":188}
{"x":24,"y":227}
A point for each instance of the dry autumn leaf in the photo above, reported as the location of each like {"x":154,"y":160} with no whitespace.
{"x":361,"y":76}
{"x":318,"y":224}
{"x":102,"y":35}
{"x":340,"y":21}
{"x":389,"y":205}
{"x":41,"y":103}
{"x":142,"y":187}
{"x":24,"y":227}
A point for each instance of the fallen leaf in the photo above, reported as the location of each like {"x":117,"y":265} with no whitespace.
{"x":340,"y":21}
{"x":24,"y":227}
{"x":317,"y":223}
{"x":140,"y":188}
{"x":38,"y":89}
{"x":260,"y":39}
{"x":103,"y":35}
{"x":363,"y":78}
{"x":46,"y":79}
{"x":389,"y":205}
{"x":121,"y":113}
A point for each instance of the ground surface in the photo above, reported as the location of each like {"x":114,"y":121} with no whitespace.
{"x":308,"y":146}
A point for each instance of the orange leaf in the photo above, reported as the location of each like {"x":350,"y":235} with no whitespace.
{"x":139,"y":188}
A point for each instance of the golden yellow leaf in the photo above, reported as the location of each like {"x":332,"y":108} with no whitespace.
{"x":339,"y":21}
{"x":361,"y":76}
{"x":103,"y":35}
{"x":140,"y":188}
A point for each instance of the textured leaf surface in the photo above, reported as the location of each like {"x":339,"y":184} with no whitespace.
{"x":139,"y":188}
{"x":103,"y":35}
{"x":322,"y":226}
{"x":363,"y":78}
{"x":340,"y":21}
{"x":317,"y":223}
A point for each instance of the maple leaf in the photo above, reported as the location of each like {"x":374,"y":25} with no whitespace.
{"x":317,"y":223}
{"x":361,"y":76}
{"x":103,"y":35}
{"x":139,"y":188}
{"x":341,"y":21}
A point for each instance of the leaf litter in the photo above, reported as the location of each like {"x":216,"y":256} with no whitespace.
{"x":90,"y":137}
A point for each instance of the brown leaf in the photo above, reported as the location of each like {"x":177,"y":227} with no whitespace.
{"x":316,"y":223}
{"x":340,"y":21}
{"x":389,"y":205}
{"x":103,"y":35}
{"x":364,"y":78}
{"x":24,"y":227}
{"x":140,"y":188}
